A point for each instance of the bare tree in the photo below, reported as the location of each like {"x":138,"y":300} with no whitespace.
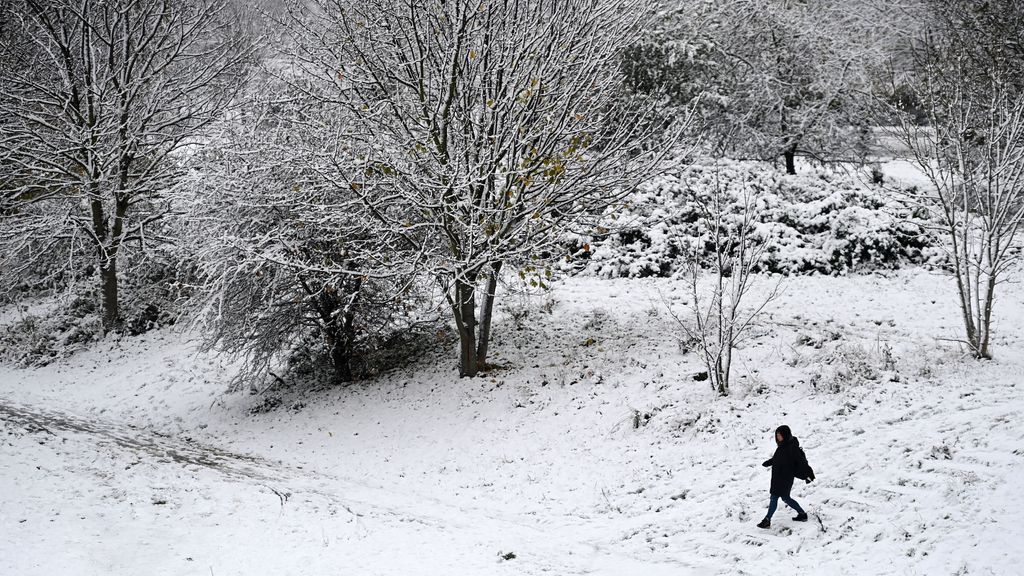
{"x":484,"y":128}
{"x":968,"y":79}
{"x":778,"y":79}
{"x":104,"y":104}
{"x":727,"y":250}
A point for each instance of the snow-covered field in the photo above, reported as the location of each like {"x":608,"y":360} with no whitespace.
{"x":590,"y":450}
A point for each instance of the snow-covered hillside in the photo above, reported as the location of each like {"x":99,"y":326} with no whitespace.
{"x":591,"y":449}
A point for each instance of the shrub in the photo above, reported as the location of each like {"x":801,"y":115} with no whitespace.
{"x":819,"y":223}
{"x":35,"y":340}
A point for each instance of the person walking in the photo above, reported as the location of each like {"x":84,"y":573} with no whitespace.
{"x":789,"y":462}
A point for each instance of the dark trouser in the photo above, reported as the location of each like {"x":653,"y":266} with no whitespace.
{"x":774,"y":503}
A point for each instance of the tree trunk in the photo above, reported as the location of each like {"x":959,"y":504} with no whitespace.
{"x":721,"y":376}
{"x":340,"y":356}
{"x":726,"y":362}
{"x":465,"y":321}
{"x":108,"y":287}
{"x":486,"y":313}
{"x":790,"y":156}
{"x":961,"y":269}
{"x":342,"y":341}
{"x":335,"y":305}
{"x":985,"y":330}
{"x":339,"y":360}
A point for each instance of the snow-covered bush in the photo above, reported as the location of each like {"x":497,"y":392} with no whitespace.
{"x":32,"y":267}
{"x":844,"y":367}
{"x":294,"y":278}
{"x":157,"y":288}
{"x":153,"y":281}
{"x":37,"y":340}
{"x":153,"y":284}
{"x":822,"y":223}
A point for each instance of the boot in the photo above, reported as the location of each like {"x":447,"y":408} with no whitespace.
{"x":801,"y":517}
{"x":766,"y":523}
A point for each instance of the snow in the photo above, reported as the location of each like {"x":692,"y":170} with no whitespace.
{"x":905,"y":173}
{"x":590,"y":450}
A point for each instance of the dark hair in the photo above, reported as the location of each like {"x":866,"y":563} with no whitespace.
{"x":784,"y":430}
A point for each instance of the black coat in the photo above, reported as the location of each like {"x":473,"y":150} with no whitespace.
{"x":789,"y":462}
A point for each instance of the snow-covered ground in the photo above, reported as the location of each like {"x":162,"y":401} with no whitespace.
{"x":590,"y":450}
